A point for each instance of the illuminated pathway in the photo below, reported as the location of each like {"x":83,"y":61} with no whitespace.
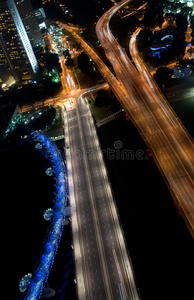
{"x":35,"y":283}
{"x":103,"y":269}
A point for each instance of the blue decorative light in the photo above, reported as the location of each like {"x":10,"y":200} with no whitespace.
{"x":49,"y":171}
{"x":25,"y":282}
{"x":37,"y":282}
{"x":47,"y":214}
{"x":38,"y":146}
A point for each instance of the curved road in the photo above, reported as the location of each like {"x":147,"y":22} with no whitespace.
{"x":162,"y":131}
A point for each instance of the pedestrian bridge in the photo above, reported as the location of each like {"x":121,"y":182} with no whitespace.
{"x":33,"y":284}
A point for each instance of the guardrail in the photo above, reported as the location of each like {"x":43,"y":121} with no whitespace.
{"x":109,"y":118}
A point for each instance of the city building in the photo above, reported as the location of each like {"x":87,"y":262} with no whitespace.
{"x":41,"y":17}
{"x":17,"y":59}
{"x":30,"y":22}
{"x":177,"y":9}
{"x":188,"y":2}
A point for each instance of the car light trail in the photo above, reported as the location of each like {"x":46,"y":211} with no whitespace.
{"x":153,"y":117}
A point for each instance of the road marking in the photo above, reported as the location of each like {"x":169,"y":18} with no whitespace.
{"x":97,"y":229}
{"x":119,"y":272}
{"x":78,"y":214}
{"x":107,"y":197}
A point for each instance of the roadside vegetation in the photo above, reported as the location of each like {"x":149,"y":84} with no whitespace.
{"x":105,"y":104}
{"x":46,"y":86}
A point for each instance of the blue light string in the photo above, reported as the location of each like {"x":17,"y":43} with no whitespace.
{"x":44,"y":266}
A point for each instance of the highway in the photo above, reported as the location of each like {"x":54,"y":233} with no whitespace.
{"x":103,"y":267}
{"x":103,"y":69}
{"x":107,"y":271}
{"x":178,"y":93}
{"x":170,"y":144}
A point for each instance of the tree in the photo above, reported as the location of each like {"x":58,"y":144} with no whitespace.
{"x":84,"y":64}
{"x":181,"y":23}
{"x":101,"y":98}
{"x":187,"y":11}
{"x":170,"y":19}
{"x":162,"y":76}
{"x":143,"y":39}
{"x":154,"y":14}
{"x":192,"y":23}
{"x":106,"y":98}
{"x":69,"y":63}
{"x":66,"y":53}
{"x":52,"y":61}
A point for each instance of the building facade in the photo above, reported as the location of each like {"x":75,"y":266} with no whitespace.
{"x":17,"y":58}
{"x":29,"y":20}
{"x":41,"y":17}
{"x":188,"y":2}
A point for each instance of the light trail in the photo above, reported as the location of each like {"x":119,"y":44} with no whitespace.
{"x":173,"y":158}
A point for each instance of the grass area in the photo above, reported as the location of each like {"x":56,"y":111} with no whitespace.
{"x":100,"y":112}
{"x":76,"y":68}
{"x":50,"y":119}
{"x":86,"y":80}
{"x":104,"y":105}
{"x":58,"y":122}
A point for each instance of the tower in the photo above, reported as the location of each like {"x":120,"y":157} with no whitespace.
{"x":40,"y":17}
{"x":16,"y":54}
{"x":30,"y":22}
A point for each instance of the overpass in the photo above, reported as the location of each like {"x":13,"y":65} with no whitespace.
{"x":171,"y":145}
{"x":103,"y":266}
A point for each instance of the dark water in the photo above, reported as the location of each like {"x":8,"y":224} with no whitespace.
{"x":62,"y":274}
{"x":25,"y":192}
{"x":158,"y":241}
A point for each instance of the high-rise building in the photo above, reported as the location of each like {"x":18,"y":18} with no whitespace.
{"x":17,"y":58}
{"x":41,"y":17}
{"x":30,"y":22}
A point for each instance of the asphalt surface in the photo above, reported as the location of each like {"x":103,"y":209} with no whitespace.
{"x":160,"y":128}
{"x":104,"y":266}
{"x":171,"y":146}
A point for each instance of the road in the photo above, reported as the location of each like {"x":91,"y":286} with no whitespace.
{"x":103,"y":69}
{"x":178,"y":96}
{"x":66,"y":79}
{"x":162,"y":131}
{"x":181,"y":91}
{"x":170,"y":144}
{"x":103,"y":267}
{"x":107,"y":272}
